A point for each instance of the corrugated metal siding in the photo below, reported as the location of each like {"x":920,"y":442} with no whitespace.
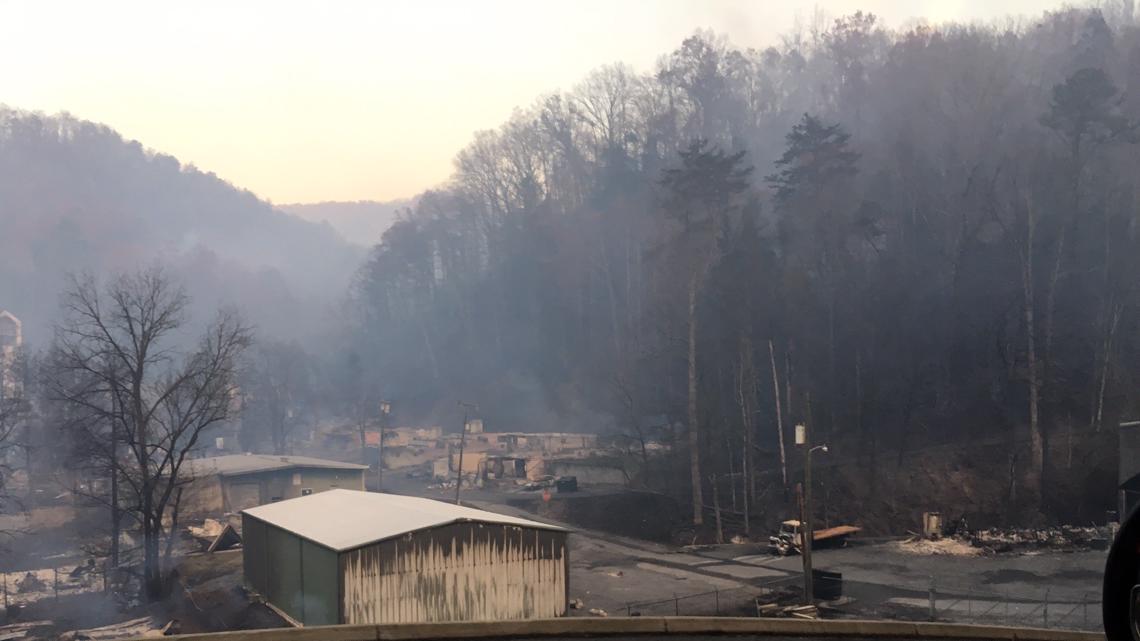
{"x":461,"y":572}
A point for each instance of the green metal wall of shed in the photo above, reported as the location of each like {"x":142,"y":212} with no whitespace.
{"x":321,"y":588}
{"x":297,"y":576}
{"x":283,"y":576}
{"x":253,"y":553}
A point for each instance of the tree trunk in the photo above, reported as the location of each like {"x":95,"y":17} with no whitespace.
{"x":1110,"y":335}
{"x":1035,"y":476}
{"x":744,"y":395}
{"x":116,"y":515}
{"x":694,"y":436}
{"x":716,"y":510}
{"x":779,"y":416}
{"x":152,"y":570}
{"x":166,"y":554}
{"x":747,"y":491}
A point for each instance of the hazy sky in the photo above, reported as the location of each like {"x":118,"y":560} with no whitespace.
{"x":348,"y":100}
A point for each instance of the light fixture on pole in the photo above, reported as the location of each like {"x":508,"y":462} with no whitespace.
{"x":385,"y":411}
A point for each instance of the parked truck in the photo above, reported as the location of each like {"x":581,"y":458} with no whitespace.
{"x":790,"y":537}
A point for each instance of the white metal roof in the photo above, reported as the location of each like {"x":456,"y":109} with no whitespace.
{"x":232,"y":464}
{"x":345,"y":519}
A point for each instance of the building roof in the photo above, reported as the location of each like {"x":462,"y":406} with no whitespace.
{"x":235,"y":464}
{"x":347,"y":519}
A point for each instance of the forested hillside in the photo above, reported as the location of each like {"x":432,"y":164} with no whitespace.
{"x":76,"y":196}
{"x":907,"y":238}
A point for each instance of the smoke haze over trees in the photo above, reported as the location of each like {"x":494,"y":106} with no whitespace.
{"x":935,"y":228}
{"x":76,"y":196}
{"x":361,"y":223}
{"x":930,"y":232}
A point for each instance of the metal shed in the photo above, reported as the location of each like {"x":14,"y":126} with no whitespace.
{"x":345,"y":556}
{"x":234,"y":482}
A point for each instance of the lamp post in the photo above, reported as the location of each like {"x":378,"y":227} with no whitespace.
{"x":385,"y":412}
{"x":467,"y":408}
{"x":807,"y":531}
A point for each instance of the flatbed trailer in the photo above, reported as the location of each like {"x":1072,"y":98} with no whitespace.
{"x":789,"y":540}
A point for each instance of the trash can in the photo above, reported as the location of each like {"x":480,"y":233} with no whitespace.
{"x":826,"y":586}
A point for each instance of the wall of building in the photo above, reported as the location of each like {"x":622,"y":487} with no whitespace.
{"x":297,"y":576}
{"x":587,"y":473}
{"x":461,"y":572}
{"x":203,"y":497}
{"x":216,"y":494}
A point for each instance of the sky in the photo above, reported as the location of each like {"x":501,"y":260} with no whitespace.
{"x":308,"y":101}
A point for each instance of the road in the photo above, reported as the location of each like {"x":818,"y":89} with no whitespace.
{"x":620,"y":575}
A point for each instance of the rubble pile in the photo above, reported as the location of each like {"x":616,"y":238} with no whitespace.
{"x":1066,"y":537}
{"x":943,"y":547}
{"x":1015,"y":541}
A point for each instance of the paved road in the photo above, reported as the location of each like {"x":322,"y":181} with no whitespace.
{"x":618,"y":574}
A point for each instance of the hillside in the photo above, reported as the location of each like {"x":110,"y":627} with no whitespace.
{"x":75,"y":196}
{"x":361,"y":223}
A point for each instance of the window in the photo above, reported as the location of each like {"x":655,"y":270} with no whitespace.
{"x":296,"y":478}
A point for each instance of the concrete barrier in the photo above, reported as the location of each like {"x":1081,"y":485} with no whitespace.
{"x":655,"y":626}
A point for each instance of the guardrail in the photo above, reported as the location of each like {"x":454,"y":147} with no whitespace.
{"x":656,"y":626}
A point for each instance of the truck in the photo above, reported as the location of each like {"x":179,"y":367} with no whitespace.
{"x":789,"y":538}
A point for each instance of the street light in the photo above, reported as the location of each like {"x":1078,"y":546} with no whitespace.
{"x":467,"y":408}
{"x":807,"y":531}
{"x":385,"y":411}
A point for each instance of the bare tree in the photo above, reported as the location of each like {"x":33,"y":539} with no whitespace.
{"x":274,"y":387}
{"x":117,"y":362}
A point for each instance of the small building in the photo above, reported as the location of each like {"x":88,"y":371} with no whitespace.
{"x":590,"y":471}
{"x":365,"y":557}
{"x":503,"y":467}
{"x":234,"y":482}
{"x":11,"y":339}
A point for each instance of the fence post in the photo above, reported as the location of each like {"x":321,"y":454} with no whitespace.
{"x":1045,"y":611}
{"x":716,"y":594}
{"x":55,"y":582}
{"x":1085,"y":607}
{"x":932,"y":611}
{"x":628,"y":610}
{"x":969,"y":604}
{"x":676,"y":605}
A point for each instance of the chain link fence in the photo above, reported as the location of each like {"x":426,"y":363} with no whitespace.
{"x":1046,"y":608}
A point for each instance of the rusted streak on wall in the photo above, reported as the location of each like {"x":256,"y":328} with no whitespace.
{"x":468,"y":572}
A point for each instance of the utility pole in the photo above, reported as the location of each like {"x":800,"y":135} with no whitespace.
{"x":807,"y":530}
{"x":807,"y":534}
{"x":385,"y":411}
{"x":467,"y":407}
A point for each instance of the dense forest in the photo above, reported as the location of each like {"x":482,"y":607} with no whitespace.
{"x":909,"y":239}
{"x":76,"y":196}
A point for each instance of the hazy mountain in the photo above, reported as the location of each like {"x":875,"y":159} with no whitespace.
{"x":362,"y":222}
{"x":75,"y":195}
